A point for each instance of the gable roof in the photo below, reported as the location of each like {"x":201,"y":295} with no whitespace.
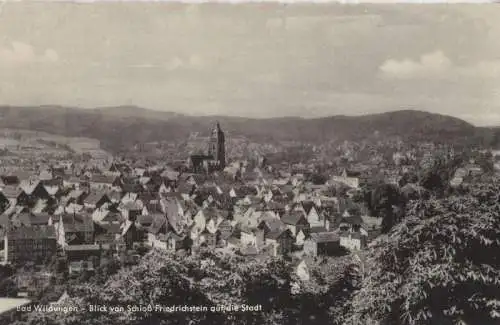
{"x":103,"y":179}
{"x":29,"y":186}
{"x":12,"y":191}
{"x":293,"y":217}
{"x":95,"y":196}
{"x":278,"y":233}
{"x":77,"y":222}
{"x":274,"y":224}
{"x":158,"y":221}
{"x":31,"y":219}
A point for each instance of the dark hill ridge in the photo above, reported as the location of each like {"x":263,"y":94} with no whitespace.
{"x":117,"y":127}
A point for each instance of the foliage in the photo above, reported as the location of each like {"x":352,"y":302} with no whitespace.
{"x":385,"y":201}
{"x":439,"y":266}
{"x":213,"y":279}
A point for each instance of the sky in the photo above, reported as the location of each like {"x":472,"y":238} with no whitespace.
{"x":255,"y":60}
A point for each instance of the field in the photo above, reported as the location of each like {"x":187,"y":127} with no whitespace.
{"x":15,"y":142}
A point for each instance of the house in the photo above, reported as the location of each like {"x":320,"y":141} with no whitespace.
{"x":209,"y":237}
{"x":4,"y":202}
{"x":174,"y":242}
{"x":33,"y":284}
{"x":30,"y":243}
{"x":302,"y":236}
{"x":104,"y":182}
{"x":130,"y":210}
{"x":75,"y":229}
{"x":10,"y":180}
{"x":302,"y":270}
{"x":32,"y":219}
{"x":84,"y":251}
{"x":75,"y":196}
{"x":314,"y":219}
{"x":130,"y":234}
{"x":322,"y":244}
{"x":96,"y":199}
{"x":353,"y":241}
{"x":280,"y":240}
{"x":72,"y":182}
{"x":248,"y":236}
{"x":295,"y":221}
{"x":107,"y":233}
{"x":77,"y":267}
{"x":12,"y":192}
{"x":456,"y":181}
{"x":155,"y":231}
{"x":349,"y":178}
{"x":31,"y":191}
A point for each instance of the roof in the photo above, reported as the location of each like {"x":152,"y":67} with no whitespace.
{"x":353,"y":220}
{"x":131,"y":206}
{"x":114,"y":195}
{"x":372,"y":221}
{"x":277,"y":233}
{"x":74,"y":194}
{"x":172,"y":212}
{"x":185,"y":188}
{"x":131,"y":187}
{"x":95,"y":196}
{"x":144,"y":220}
{"x":274,"y":224}
{"x":112,"y":228}
{"x":324,"y":237}
{"x":102,"y":179}
{"x":317,"y":229}
{"x":292,"y":217}
{"x":11,"y":191}
{"x":170,"y":175}
{"x":51,"y":189}
{"x":77,"y":222}
{"x":32,"y":232}
{"x":34,"y":219}
{"x":174,"y":236}
{"x":158,"y":220}
{"x":353,"y":235}
{"x":83,"y":247}
{"x":29,"y":186}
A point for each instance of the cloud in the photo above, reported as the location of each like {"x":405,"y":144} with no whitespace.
{"x":430,"y":64}
{"x":191,"y":62}
{"x":19,"y":53}
{"x":483,"y":69}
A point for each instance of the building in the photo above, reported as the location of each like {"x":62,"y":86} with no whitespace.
{"x":323,"y":243}
{"x":215,"y":158}
{"x":352,"y":241}
{"x":217,"y":147}
{"x":30,"y":243}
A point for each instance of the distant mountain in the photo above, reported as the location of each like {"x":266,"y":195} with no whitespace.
{"x":135,"y":111}
{"x":119,"y":127}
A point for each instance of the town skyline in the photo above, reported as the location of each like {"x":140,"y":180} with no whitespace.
{"x":254,"y":60}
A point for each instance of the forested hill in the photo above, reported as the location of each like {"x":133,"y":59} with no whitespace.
{"x":117,"y":127}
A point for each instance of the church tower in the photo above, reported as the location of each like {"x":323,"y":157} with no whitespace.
{"x":217,"y":146}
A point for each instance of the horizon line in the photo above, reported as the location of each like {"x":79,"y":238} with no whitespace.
{"x":180,"y":114}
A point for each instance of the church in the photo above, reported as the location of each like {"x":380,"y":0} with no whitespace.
{"x":215,"y":158}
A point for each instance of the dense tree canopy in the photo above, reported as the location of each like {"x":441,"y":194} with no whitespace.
{"x":213,"y":279}
{"x":439,"y":266}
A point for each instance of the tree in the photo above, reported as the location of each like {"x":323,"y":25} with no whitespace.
{"x":441,"y":265}
{"x":386,"y":201}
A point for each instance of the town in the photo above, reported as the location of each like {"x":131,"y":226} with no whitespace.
{"x":78,"y":215}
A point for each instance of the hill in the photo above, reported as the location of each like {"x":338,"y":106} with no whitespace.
{"x":119,"y":127}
